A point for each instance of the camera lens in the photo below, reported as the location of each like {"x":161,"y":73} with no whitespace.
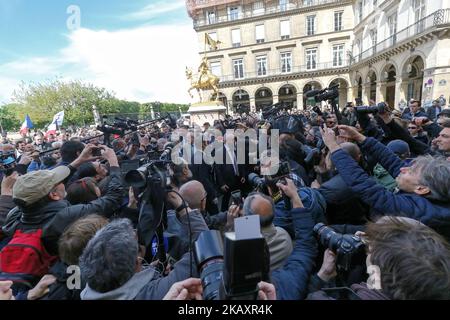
{"x":328,"y":237}
{"x":208,"y":251}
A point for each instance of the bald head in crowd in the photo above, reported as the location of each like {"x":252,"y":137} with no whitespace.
{"x":194,"y":194}
{"x":262,"y":205}
{"x":352,"y":149}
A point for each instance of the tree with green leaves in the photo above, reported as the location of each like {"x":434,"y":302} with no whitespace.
{"x":43,"y":100}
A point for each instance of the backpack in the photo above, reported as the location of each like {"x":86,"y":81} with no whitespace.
{"x":24,"y":259}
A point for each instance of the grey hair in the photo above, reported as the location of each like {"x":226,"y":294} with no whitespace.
{"x":109,"y":259}
{"x":434,"y":174}
{"x":265,"y":221}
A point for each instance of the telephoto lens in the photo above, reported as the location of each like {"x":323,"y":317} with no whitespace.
{"x":379,"y":108}
{"x":345,"y":246}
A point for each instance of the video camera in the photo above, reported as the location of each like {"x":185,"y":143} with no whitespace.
{"x":379,"y":108}
{"x":326,"y":94}
{"x":345,"y":246}
{"x":271,"y":112}
{"x":151,"y":181}
{"x":119,"y":126}
{"x":230,"y":269}
{"x":7,"y":162}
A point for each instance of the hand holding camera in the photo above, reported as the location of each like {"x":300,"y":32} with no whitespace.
{"x":110,"y":156}
{"x":351,"y":133}
{"x":328,"y":269}
{"x":290,"y":190}
{"x":8,"y":184}
{"x":87,"y":155}
{"x":25,"y":159}
{"x":233,"y":212}
{"x":189,"y":289}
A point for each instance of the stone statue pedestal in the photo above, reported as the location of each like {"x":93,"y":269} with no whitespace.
{"x":206,"y":112}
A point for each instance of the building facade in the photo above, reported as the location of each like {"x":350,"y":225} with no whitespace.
{"x":401,"y":50}
{"x":277,"y":50}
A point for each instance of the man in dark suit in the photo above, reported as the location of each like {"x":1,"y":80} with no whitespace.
{"x":230,"y":175}
{"x":203,"y":172}
{"x":434,"y":111}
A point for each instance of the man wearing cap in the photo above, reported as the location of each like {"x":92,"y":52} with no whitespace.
{"x":444,"y":114}
{"x":39,"y":197}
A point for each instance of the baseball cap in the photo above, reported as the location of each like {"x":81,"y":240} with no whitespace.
{"x":35,"y":185}
{"x":399,"y":147}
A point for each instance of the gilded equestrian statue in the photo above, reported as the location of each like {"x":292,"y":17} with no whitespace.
{"x":204,"y":81}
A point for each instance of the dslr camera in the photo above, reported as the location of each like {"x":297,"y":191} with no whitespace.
{"x":267,"y":184}
{"x":346,"y":246}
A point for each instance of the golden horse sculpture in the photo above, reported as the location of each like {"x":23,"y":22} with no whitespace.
{"x":203,"y":82}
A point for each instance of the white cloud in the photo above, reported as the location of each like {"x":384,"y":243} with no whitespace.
{"x":142,"y":64}
{"x":155,"y":9}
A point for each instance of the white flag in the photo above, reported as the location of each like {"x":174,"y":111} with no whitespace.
{"x":58,"y":118}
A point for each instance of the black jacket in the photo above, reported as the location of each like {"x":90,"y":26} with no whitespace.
{"x":203,"y":172}
{"x":6,"y":205}
{"x":55,"y":216}
{"x":225,"y":172}
{"x":343,"y":205}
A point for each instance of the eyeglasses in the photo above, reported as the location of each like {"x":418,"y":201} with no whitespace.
{"x":412,"y":128}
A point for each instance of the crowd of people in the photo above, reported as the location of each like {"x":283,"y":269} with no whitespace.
{"x":378,"y":178}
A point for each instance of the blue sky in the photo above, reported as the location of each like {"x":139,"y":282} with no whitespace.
{"x":131,"y":47}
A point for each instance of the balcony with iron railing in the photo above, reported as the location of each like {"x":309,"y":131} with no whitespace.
{"x":433,"y":21}
{"x":200,"y":20}
{"x":303,"y":69}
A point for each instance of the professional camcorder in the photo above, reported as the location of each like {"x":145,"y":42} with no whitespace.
{"x":273,"y":111}
{"x":231,"y":269}
{"x":326,"y":94}
{"x":346,"y":246}
{"x":119,"y":126}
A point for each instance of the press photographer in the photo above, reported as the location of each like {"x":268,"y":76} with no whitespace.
{"x":394,"y":271}
{"x":42,"y":214}
{"x":423,"y":185}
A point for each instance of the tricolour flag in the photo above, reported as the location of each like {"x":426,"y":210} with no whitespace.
{"x":26,"y":125}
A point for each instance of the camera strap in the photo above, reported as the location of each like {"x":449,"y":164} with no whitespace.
{"x":181,"y":207}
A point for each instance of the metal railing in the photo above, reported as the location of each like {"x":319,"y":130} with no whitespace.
{"x":285,"y":71}
{"x":248,"y":12}
{"x":440,"y":17}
